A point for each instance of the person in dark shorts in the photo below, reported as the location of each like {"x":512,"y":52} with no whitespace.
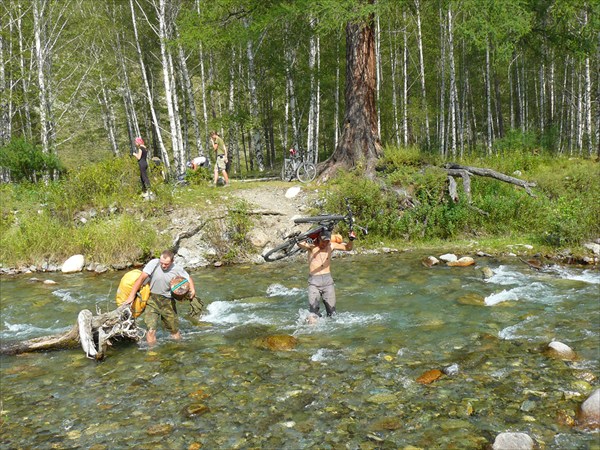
{"x":141,"y":155}
{"x":320,"y":281}
{"x":161,"y":305}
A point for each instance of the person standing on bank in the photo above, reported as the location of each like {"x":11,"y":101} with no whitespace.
{"x":320,"y":282}
{"x":161,"y":305}
{"x":221,"y":157}
{"x":141,"y":155}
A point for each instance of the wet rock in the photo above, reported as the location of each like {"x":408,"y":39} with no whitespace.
{"x":594,"y":247}
{"x":589,"y":412}
{"x":161,"y":429}
{"x":513,"y":441}
{"x":100,"y":268}
{"x":565,"y":418}
{"x":558,"y":350}
{"x":380,"y":399}
{"x":448,"y":257}
{"x":282,"y":342}
{"x":472,"y":299}
{"x":462,"y":262}
{"x":430,"y":261}
{"x":195,"y":410}
{"x":74,"y":264}
{"x":91,"y":267}
{"x":50,"y":282}
{"x":387,"y":424}
{"x":487,"y":273}
{"x":451,"y":370}
{"x":430,"y":376}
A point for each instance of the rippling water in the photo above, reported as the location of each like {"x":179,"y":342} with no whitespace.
{"x":349,"y":383}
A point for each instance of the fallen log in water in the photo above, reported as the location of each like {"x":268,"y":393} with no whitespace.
{"x":93,"y":333}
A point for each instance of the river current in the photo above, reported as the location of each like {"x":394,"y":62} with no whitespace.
{"x":350,"y":382}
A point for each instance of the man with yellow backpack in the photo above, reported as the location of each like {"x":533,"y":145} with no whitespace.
{"x":157,"y":276}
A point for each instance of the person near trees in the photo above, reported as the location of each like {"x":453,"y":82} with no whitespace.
{"x":320,"y":281}
{"x":141,"y":154}
{"x":161,"y":304}
{"x":220,"y":157}
{"x":197,"y":162}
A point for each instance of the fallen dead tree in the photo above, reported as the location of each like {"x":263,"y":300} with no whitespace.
{"x":466,"y":172}
{"x":94,"y":333}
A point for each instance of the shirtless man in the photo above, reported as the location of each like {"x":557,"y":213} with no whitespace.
{"x":320,"y":282}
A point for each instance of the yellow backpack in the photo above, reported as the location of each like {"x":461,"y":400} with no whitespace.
{"x":127,"y":281}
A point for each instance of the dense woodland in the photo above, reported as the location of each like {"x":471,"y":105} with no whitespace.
{"x":81,"y":78}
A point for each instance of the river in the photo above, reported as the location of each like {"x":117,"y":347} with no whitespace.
{"x":350,"y":382}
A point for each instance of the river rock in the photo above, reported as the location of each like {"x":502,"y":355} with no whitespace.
{"x":50,"y":282}
{"x":558,"y":350}
{"x":487,"y":273}
{"x":595,"y":248}
{"x":513,"y":441}
{"x":448,"y":257}
{"x":430,"y":261}
{"x":589,"y":412}
{"x":74,"y":264}
{"x":278,"y":342}
{"x":101,"y":268}
{"x":430,"y":376}
{"x":462,"y":262}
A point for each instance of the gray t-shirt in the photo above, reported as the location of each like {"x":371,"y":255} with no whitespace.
{"x":160,"y":280}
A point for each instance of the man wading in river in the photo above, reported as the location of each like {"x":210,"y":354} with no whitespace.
{"x":320,"y":282}
{"x":161,"y":305}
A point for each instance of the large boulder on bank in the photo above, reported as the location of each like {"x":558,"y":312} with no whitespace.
{"x":589,"y":412}
{"x":513,"y":441}
{"x":74,"y":264}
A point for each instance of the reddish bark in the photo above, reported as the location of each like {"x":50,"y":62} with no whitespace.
{"x":359,"y":144}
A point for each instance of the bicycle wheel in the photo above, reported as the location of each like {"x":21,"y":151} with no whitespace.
{"x":306,"y":172}
{"x":288,"y":248}
{"x":319,"y":219}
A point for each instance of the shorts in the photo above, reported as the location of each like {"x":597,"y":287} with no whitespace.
{"x":221,"y":162}
{"x":321,"y":287}
{"x":164,"y":309}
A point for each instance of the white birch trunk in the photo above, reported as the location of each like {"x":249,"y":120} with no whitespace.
{"x":109,"y":117}
{"x":312,"y":109}
{"x":442,"y":119}
{"x":41,"y":46}
{"x":25,"y":77}
{"x":232,"y":148}
{"x":189,"y":92}
{"x":256,"y":134}
{"x":378,"y":73}
{"x":422,"y":71}
{"x":149,"y":96}
{"x":5,"y":94}
{"x":291,"y":59}
{"x":488,"y":94}
{"x":336,"y":131}
{"x":394,"y":74}
{"x":405,"y":81}
{"x":588,"y":106}
{"x":453,"y":89}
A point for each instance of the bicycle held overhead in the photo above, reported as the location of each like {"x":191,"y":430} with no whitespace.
{"x":325,"y":224}
{"x":296,"y":167}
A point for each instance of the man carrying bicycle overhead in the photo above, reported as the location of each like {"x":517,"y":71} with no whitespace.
{"x":320,"y":282}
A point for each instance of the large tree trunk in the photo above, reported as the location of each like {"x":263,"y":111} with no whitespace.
{"x":359,"y":144}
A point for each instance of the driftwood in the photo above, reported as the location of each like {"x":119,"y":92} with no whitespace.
{"x":93,"y":333}
{"x":466,"y":171}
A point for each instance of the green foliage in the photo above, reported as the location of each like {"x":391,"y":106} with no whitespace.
{"x":414,"y":204}
{"x":198,"y":177}
{"x":27,"y":162}
{"x":239,"y":224}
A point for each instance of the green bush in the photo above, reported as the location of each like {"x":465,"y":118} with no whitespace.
{"x":27,"y":162}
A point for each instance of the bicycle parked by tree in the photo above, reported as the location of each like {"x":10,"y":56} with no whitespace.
{"x":325,"y":223}
{"x":296,"y":167}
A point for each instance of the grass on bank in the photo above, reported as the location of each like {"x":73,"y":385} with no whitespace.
{"x":407,"y":206}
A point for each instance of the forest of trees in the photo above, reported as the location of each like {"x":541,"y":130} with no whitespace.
{"x":82,"y":78}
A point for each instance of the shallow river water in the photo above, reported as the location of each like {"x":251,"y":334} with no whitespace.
{"x":350,"y":382}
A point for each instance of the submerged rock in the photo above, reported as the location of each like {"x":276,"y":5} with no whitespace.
{"x":430,"y":376}
{"x":513,"y":441}
{"x":589,"y":412}
{"x":562,"y":351}
{"x":487,"y":273}
{"x":281,"y":342}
